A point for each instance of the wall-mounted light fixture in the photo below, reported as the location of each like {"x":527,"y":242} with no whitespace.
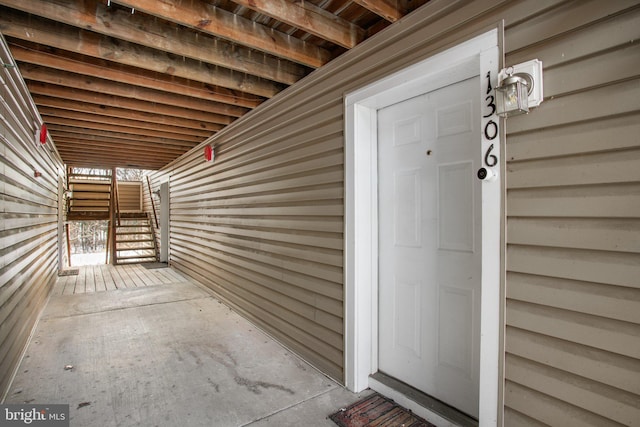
{"x":512,"y":96}
{"x":519,"y":88}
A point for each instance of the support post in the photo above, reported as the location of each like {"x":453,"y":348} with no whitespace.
{"x":112,"y":216}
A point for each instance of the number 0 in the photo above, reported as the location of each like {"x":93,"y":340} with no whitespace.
{"x":491,"y":130}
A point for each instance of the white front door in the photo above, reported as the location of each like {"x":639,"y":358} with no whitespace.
{"x":429,"y":149}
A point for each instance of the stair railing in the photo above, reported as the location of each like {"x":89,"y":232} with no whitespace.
{"x":153,"y":205}
{"x":114,"y":183}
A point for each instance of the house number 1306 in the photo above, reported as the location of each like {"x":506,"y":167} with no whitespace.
{"x":491,"y":127}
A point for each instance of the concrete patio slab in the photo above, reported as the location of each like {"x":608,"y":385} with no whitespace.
{"x":167,"y":355}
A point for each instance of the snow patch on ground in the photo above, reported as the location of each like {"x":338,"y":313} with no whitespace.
{"x":94,"y":258}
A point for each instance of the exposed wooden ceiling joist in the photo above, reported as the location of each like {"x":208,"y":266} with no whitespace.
{"x":65,"y":61}
{"x":49,"y":104}
{"x":98,"y":17}
{"x":215,"y":21}
{"x":117,"y":88}
{"x":387,"y":9}
{"x":43,"y":31}
{"x":94,"y":100}
{"x":119,"y":137}
{"x":308,"y":17}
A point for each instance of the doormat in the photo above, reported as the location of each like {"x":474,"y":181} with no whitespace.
{"x":69,"y":272}
{"x":152,"y":265}
{"x":379,"y":411}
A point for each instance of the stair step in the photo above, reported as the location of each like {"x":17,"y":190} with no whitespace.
{"x":124,"y":258}
{"x":132,"y":232}
{"x":137,"y":249}
{"x":135,"y":241}
{"x":141,"y":253}
{"x":136,"y":261}
{"x":133,"y":215}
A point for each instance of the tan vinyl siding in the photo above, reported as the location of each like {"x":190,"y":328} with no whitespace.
{"x":573,"y":227}
{"x":129,"y":196}
{"x":262,"y":225}
{"x":28,"y":219}
{"x":265,"y":232}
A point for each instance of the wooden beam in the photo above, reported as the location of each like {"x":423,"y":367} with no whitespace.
{"x":116,"y":150}
{"x":157,"y":34}
{"x":384,"y":8}
{"x":229,"y":103}
{"x":310,"y":18}
{"x":20,"y":25}
{"x":124,"y":113}
{"x":215,"y":21}
{"x":115,"y":156}
{"x":100,"y":160}
{"x":124,"y":149}
{"x":90,"y":125}
{"x":49,"y":90}
{"x":123,"y":123}
{"x":95,"y":153}
{"x":119,"y":152}
{"x":106,"y":134}
{"x":93,"y":84}
{"x":102,"y":141}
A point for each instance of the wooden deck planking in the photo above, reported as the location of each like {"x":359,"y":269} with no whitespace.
{"x":99,"y":279}
{"x":69,"y":285}
{"x":62,"y":281}
{"x":105,"y":277}
{"x":89,"y":280}
{"x":109,"y":281}
{"x":144,"y":274}
{"x":118,"y":279}
{"x":134,"y":276}
{"x":168,"y":274}
{"x":127,"y":281}
{"x":80,"y":282}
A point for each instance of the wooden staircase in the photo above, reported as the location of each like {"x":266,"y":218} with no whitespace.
{"x":95,"y":197}
{"x":134,"y":239}
{"x":91,"y":197}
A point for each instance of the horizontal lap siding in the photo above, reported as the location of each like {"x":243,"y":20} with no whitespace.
{"x":28,"y":220}
{"x":573,"y":227}
{"x":129,"y":196}
{"x":262,"y":225}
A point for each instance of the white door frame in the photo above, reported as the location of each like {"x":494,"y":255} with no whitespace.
{"x":471,"y":58}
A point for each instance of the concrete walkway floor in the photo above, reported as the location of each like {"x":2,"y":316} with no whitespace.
{"x":167,"y":355}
